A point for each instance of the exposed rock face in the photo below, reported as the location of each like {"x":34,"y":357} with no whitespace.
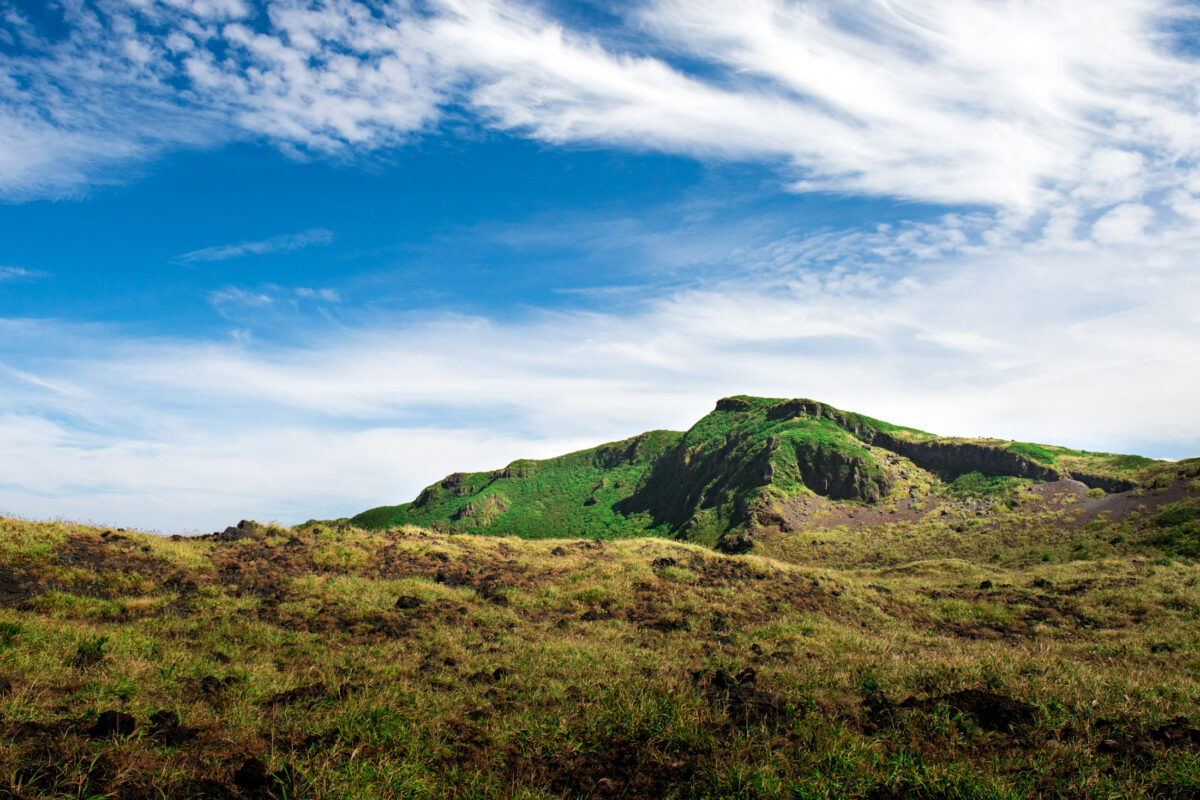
{"x":952,"y":459}
{"x":1110,"y":485}
{"x":840,"y":476}
{"x":482,"y":509}
{"x":685,"y":481}
{"x":732,"y":404}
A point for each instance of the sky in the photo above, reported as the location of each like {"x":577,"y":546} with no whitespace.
{"x":292,"y":259}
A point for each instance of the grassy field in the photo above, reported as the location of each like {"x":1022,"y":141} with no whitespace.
{"x":1050,"y":649}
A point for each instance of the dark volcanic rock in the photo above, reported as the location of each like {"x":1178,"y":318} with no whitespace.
{"x":408,"y":601}
{"x":244,"y":530}
{"x":992,"y":711}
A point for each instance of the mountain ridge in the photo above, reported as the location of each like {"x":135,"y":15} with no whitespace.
{"x":711,"y":483}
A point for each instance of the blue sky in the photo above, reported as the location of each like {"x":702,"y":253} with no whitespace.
{"x":292,"y":259}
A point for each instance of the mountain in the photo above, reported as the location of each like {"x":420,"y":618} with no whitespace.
{"x":750,"y":465}
{"x":919,"y":616}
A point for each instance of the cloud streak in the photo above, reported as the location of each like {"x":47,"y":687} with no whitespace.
{"x":19,"y":274}
{"x":276,"y":244}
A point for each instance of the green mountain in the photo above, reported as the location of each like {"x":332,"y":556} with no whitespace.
{"x":751,"y":463}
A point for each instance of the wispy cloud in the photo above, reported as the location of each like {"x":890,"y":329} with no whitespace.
{"x":325,"y":295}
{"x":1062,"y":345}
{"x":242,"y":298}
{"x":276,"y":244}
{"x":1008,"y":104}
{"x":20,"y":273}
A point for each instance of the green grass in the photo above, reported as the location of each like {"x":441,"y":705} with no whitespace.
{"x":566,"y":668}
{"x":1034,"y":452}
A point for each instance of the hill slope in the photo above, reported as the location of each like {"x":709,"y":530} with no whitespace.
{"x":747,"y":465}
{"x":329,"y":663}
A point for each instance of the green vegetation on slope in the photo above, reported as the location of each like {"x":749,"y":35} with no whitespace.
{"x":749,"y":458}
{"x":572,"y":495}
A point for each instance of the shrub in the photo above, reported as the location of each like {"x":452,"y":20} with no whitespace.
{"x":1175,"y":515}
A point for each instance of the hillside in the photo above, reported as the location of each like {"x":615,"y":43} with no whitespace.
{"x":751,"y":465}
{"x":887,"y":614}
{"x":332,"y":663}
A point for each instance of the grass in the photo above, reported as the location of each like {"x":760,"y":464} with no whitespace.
{"x":567,"y":668}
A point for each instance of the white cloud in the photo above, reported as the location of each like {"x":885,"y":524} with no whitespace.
{"x":1008,"y":104}
{"x":1067,"y":346}
{"x":202,"y":481}
{"x":1127,"y":223}
{"x":276,"y":244}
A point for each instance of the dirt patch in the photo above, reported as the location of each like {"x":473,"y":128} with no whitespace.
{"x":1061,"y":493}
{"x":113,"y":723}
{"x":489,"y":586}
{"x":256,"y":780}
{"x":168,"y":728}
{"x":1132,"y":741}
{"x":111,"y":556}
{"x":310,"y":695}
{"x":1036,"y":609}
{"x":1121,"y":505}
{"x":1177,"y":732}
{"x":990,"y":711}
{"x":18,"y":587}
{"x":615,"y":768}
{"x":738,"y":695}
